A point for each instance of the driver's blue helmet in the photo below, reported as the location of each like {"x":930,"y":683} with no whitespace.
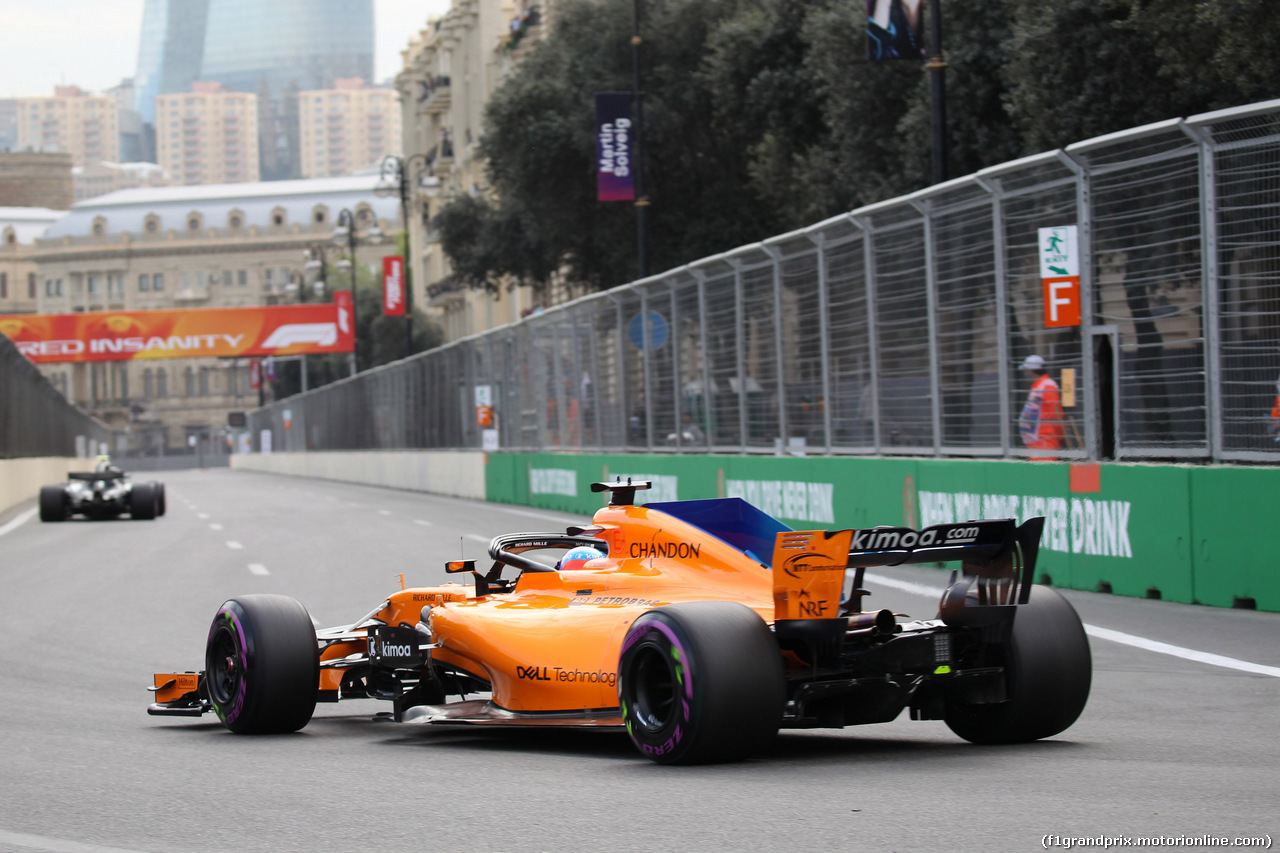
{"x":574,"y":558}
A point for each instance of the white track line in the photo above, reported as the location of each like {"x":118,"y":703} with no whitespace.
{"x":18,"y":521}
{"x":1112,"y":636}
{"x":258,"y":569}
{"x":234,"y":545}
{"x":44,"y":844}
{"x":215,"y":526}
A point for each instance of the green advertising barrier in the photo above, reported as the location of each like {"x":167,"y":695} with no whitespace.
{"x":1233,"y":512}
{"x":1175,"y":532}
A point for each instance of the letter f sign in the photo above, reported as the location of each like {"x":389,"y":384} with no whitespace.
{"x":1061,"y":302}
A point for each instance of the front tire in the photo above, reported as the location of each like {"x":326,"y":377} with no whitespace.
{"x":262,"y":665}
{"x":159,"y":490}
{"x":1048,"y":674}
{"x":701,"y":682}
{"x":53,"y":503}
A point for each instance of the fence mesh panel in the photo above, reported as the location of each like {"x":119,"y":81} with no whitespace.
{"x":899,"y":328}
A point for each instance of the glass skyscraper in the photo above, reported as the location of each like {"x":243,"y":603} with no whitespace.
{"x":272,"y":48}
{"x":169,"y":51}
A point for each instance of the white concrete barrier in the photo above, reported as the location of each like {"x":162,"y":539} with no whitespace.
{"x":21,"y":479}
{"x":456,"y":473}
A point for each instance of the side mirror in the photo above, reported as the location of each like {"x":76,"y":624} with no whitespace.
{"x":454,"y":567}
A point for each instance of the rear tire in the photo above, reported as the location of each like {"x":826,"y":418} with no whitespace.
{"x":701,"y":682}
{"x":1048,"y":676}
{"x":142,"y":501}
{"x":262,"y":665}
{"x":53,"y":503}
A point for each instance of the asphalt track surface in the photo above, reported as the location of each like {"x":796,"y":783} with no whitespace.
{"x":1168,"y":746}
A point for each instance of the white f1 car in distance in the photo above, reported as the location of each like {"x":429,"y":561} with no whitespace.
{"x":105,"y":492}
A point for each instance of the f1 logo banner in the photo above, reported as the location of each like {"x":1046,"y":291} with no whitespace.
{"x":201,"y":332}
{"x":615,"y":177}
{"x":393,"y":286}
{"x":1060,"y":276}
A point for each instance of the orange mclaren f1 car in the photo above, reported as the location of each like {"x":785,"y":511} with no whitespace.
{"x":702,"y":627}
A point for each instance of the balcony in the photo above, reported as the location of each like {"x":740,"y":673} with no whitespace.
{"x":189,"y":295}
{"x":436,"y":95}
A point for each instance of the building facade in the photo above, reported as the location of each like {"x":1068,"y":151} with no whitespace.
{"x":20,"y":227}
{"x":101,"y":178}
{"x":230,"y":245}
{"x":347,"y":128}
{"x":36,"y":179}
{"x":451,"y":68}
{"x":208,"y":135}
{"x":85,"y":126}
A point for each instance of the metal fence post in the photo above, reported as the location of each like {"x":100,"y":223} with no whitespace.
{"x":873,"y":333}
{"x":824,"y":337}
{"x":925,"y":207}
{"x":1000,"y":270}
{"x":1088,"y":373}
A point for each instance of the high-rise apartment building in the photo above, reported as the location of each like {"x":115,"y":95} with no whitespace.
{"x":207,"y":135}
{"x":346,"y":128}
{"x":83,"y":125}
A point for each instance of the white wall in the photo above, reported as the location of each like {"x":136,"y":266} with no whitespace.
{"x":21,"y":479}
{"x":455,"y":473}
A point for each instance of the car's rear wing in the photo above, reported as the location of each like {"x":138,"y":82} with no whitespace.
{"x":997,"y":556}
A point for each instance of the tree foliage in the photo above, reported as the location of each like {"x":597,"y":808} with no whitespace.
{"x":764,"y":115}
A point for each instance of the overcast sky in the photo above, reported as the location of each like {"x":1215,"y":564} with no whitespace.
{"x":93,"y":44}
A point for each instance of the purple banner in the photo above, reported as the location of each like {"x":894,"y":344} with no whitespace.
{"x":615,"y":178}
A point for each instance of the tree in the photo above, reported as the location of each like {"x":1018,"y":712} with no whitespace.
{"x":764,"y":115}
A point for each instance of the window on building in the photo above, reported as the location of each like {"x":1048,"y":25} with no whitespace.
{"x":115,"y":284}
{"x":204,"y":381}
{"x":31,"y":285}
{"x":162,"y":383}
{"x":4,"y":285}
{"x":144,"y":283}
{"x":226,"y":278}
{"x":94,"y":284}
{"x":157,"y":281}
{"x":148,"y":384}
{"x":270,"y":277}
{"x":242,"y":278}
{"x":120,"y":380}
{"x":185,"y":281}
{"x":189,"y":381}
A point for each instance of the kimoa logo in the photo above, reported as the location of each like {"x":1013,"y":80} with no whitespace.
{"x":396,"y":650}
{"x":321,"y":334}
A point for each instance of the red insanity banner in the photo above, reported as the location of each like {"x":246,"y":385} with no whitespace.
{"x":200,"y":332}
{"x":393,"y":286}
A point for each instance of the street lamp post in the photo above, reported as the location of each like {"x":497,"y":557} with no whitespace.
{"x":397,"y":171}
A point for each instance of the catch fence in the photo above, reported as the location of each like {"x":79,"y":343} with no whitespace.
{"x":897,"y":329}
{"x":36,"y":419}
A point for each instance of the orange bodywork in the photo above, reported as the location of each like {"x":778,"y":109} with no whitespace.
{"x":552,"y":642}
